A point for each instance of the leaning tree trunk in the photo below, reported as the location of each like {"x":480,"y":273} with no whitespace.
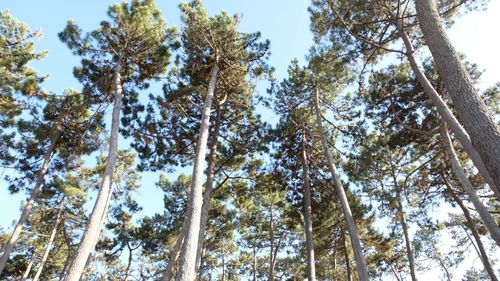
{"x":404,"y":225}
{"x":175,"y":254}
{"x":51,"y":241}
{"x":471,"y":109}
{"x":9,"y":247}
{"x":445,"y":113}
{"x":187,"y":265}
{"x":473,"y":228}
{"x":28,"y":268}
{"x":311,"y":270}
{"x":209,"y":185}
{"x":94,"y":224}
{"x":488,"y":220}
{"x":351,"y":226}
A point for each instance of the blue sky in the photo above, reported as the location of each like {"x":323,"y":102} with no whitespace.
{"x":284,"y":22}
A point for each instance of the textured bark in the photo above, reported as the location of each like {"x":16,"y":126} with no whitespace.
{"x":353,"y":233}
{"x":51,"y":241}
{"x":445,"y":113}
{"x":99,"y":211}
{"x":346,"y":257}
{"x":270,"y":276}
{"x":409,"y":248}
{"x":254,"y":264}
{"x":473,"y":228}
{"x":311,"y":269}
{"x":488,"y":220}
{"x":471,"y":109}
{"x":187,"y":263}
{"x":9,"y":247}
{"x":28,"y":268}
{"x":209,"y":185}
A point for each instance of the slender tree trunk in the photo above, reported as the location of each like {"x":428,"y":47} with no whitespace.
{"x":28,"y":268}
{"x":254,"y":264}
{"x":488,"y":220}
{"x":270,"y":277}
{"x":207,"y":194}
{"x":9,"y":247}
{"x":175,"y":254}
{"x":346,"y":257}
{"x":311,"y":270}
{"x":353,"y":233}
{"x":471,"y":109}
{"x":129,"y":263}
{"x":51,"y":241}
{"x":409,"y":248}
{"x":445,"y":113}
{"x":473,"y":228}
{"x":96,"y":219}
{"x":187,"y":266}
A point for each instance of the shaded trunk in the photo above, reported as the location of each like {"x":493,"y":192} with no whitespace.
{"x":311,"y":270}
{"x":9,"y":247}
{"x":488,"y":220}
{"x":270,"y":276}
{"x":129,"y":263}
{"x":187,"y":263}
{"x":212,"y":156}
{"x":99,"y":211}
{"x":409,"y":248}
{"x":473,"y":228}
{"x":471,"y":109}
{"x":254,"y":264}
{"x":28,"y":268}
{"x":353,"y":233}
{"x":175,"y":254}
{"x":51,"y":241}
{"x":445,"y":113}
{"x":346,"y":257}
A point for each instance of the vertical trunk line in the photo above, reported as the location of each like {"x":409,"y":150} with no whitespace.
{"x":99,"y":212}
{"x":187,"y":266}
{"x":353,"y":233}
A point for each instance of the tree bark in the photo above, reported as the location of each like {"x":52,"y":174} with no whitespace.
{"x":353,"y":233}
{"x":270,"y":276}
{"x":488,"y":220}
{"x":254,"y":264}
{"x":472,"y":226}
{"x":471,"y":109}
{"x":207,"y":194}
{"x":404,"y":225}
{"x":129,"y":262}
{"x":175,"y":254}
{"x":445,"y":113}
{"x":51,"y":241}
{"x":28,"y":268}
{"x":311,"y":270}
{"x":99,"y":212}
{"x":187,"y":266}
{"x":9,"y":247}
{"x":346,"y":257}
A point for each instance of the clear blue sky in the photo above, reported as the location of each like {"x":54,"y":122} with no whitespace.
{"x":284,"y":22}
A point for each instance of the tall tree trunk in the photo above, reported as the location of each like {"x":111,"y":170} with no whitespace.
{"x":51,"y":241}
{"x":187,"y":266}
{"x":346,"y":257}
{"x":404,"y":225}
{"x":488,"y":220}
{"x":99,"y":212}
{"x":351,"y":226}
{"x":9,"y":247}
{"x":270,"y":276}
{"x":207,"y":194}
{"x":175,"y":254}
{"x":471,"y":109}
{"x":445,"y":113}
{"x":473,"y":228}
{"x":311,"y":270}
{"x":28,"y":268}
